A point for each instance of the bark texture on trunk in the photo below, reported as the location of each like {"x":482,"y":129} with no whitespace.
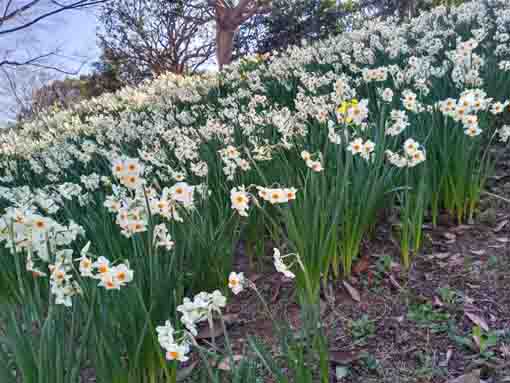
{"x":407,"y":8}
{"x":224,"y":46}
{"x":228,"y":20}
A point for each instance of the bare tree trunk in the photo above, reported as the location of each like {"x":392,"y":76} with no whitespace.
{"x":228,"y":20}
{"x":224,"y":46}
{"x":412,"y":12}
{"x":178,"y":68}
{"x":407,"y":8}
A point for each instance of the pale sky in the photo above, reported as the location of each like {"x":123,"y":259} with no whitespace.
{"x":78,"y":33}
{"x":72,"y":33}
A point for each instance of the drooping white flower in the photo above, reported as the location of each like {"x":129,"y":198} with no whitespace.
{"x":200,"y":309}
{"x":162,"y":238}
{"x":504,"y":133}
{"x":218,"y":300}
{"x":177,"y":352}
{"x":166,"y":334}
{"x":236,"y":282}
{"x":306,"y":156}
{"x":280,"y":265}
{"x":396,"y":159}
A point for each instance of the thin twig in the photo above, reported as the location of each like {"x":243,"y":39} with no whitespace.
{"x":80,"y":4}
{"x":497,"y":196}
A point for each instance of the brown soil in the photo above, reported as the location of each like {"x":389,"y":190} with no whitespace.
{"x":413,"y":321}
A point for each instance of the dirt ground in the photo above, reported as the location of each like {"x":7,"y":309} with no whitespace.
{"x":416,"y":326}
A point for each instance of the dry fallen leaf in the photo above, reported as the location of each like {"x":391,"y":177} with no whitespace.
{"x":468,"y":301}
{"x":461,"y":228}
{"x":477,"y":320}
{"x":450,"y":237}
{"x":503,"y":240}
{"x":353,"y":292}
{"x":500,"y":226}
{"x":440,"y":255}
{"x":505,"y":351}
{"x":361,"y":266}
{"x":449,"y":354}
{"x":444,"y":363}
{"x":478,"y":252}
{"x":472,"y":377}
{"x":395,"y":283}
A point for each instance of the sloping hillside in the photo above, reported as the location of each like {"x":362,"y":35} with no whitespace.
{"x":360,"y":168}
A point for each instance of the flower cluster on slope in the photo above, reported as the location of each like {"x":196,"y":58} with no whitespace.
{"x":200,"y":309}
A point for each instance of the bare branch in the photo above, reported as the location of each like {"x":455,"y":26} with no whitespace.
{"x":12,"y":87}
{"x":35,"y":62}
{"x":166,"y":36}
{"x":23,"y":65}
{"x":6,"y":10}
{"x":16,"y":12}
{"x":80,"y":4}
